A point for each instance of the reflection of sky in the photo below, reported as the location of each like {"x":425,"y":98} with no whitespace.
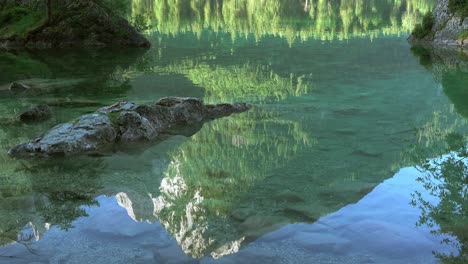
{"x":380,"y":228}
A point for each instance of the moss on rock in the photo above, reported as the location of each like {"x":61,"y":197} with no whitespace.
{"x":82,"y":23}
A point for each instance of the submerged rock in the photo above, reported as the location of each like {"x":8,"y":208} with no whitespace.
{"x":37,"y":86}
{"x":36,"y":113}
{"x":123,"y":122}
{"x":16,"y":87}
{"x":70,"y":103}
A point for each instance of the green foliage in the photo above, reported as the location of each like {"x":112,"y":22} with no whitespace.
{"x":12,"y":14}
{"x":459,"y":7}
{"x":18,"y":21}
{"x":463,"y":35}
{"x":139,"y":22}
{"x":425,"y":28}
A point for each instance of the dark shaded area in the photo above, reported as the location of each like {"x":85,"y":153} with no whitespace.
{"x":68,"y":23}
{"x":92,"y":72}
{"x":456,"y":88}
{"x":450,"y":68}
{"x":36,"y":114}
{"x":54,"y":193}
{"x":459,"y":7}
{"x":424,"y":29}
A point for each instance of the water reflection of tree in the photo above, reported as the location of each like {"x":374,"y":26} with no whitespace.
{"x":71,"y":184}
{"x":447,"y":178}
{"x":450,"y":69}
{"x":445,"y":137}
{"x":239,"y":82}
{"x":291,"y":19}
{"x":46,"y":194}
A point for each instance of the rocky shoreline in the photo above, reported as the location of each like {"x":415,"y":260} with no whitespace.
{"x":123,"y":122}
{"x":81,"y":24}
{"x":448,"y":29}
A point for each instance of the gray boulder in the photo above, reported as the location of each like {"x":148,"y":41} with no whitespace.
{"x":123,"y":122}
{"x":89,"y":134}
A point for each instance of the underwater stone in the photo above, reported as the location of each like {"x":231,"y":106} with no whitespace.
{"x":36,"y":113}
{"x":17,"y":87}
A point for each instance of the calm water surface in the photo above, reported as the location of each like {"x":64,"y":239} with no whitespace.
{"x":353,"y":152}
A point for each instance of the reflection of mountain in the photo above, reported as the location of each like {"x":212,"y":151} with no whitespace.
{"x":211,"y":174}
{"x":229,"y":184}
{"x":290,"y":19}
{"x":241,"y":178}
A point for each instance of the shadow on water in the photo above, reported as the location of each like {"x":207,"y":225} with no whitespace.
{"x":62,"y":73}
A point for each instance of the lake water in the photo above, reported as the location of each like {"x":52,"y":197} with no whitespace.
{"x":353,"y":153}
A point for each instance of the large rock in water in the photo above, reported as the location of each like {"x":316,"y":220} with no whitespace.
{"x":123,"y":122}
{"x":81,"y":23}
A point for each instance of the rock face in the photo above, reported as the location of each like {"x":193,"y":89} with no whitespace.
{"x":82,"y":24}
{"x":36,"y":113}
{"x":447,"y":28}
{"x":123,"y":122}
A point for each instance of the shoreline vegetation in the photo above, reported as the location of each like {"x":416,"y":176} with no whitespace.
{"x":67,"y":24}
{"x":447,"y":25}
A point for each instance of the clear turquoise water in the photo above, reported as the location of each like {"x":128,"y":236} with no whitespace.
{"x":324,"y":169}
